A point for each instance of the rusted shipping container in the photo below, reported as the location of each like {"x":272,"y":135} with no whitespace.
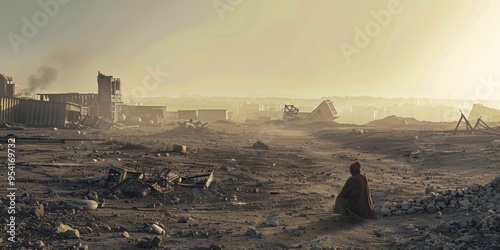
{"x":53,"y":114}
{"x":9,"y":110}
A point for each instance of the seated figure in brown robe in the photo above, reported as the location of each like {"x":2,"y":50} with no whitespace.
{"x":355,"y":199}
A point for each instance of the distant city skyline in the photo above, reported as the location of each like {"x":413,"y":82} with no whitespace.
{"x":281,"y":48}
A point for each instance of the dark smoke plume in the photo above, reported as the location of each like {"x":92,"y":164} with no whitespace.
{"x":46,"y":76}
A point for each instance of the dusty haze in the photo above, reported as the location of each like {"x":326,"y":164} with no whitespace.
{"x":261,"y":48}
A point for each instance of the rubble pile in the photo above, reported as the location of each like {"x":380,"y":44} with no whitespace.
{"x":474,"y":233}
{"x":477,"y":198}
{"x":479,"y":227}
{"x":190,"y":127}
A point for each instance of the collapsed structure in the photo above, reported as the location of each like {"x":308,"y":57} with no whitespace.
{"x":290,"y":112}
{"x":479,"y":113}
{"x":324,"y":112}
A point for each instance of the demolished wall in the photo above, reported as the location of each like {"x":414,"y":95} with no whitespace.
{"x":487,"y":114}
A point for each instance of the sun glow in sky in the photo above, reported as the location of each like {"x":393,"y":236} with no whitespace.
{"x":285,"y":48}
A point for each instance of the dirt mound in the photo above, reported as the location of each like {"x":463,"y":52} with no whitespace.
{"x":474,"y":198}
{"x":394,"y":121}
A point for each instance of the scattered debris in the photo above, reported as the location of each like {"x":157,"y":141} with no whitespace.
{"x":179,"y":149}
{"x":156,"y":241}
{"x":133,"y":188}
{"x":358,"y":131}
{"x":131,"y":146}
{"x":39,"y":211}
{"x":183,"y":220}
{"x":10,"y":127}
{"x":480,"y":232}
{"x":157,"y":229}
{"x":39,"y":244}
{"x":251,"y":233}
{"x":83,"y":204}
{"x":190,"y":127}
{"x":290,"y":112}
{"x":134,"y":183}
{"x":144,"y":243}
{"x":479,"y":124}
{"x":150,"y":243}
{"x":56,"y":164}
{"x":197,"y":181}
{"x":117,"y":175}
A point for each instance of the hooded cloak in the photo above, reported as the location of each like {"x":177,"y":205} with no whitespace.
{"x":357,"y":191}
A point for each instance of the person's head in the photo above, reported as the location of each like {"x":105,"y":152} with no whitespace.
{"x":355,"y":168}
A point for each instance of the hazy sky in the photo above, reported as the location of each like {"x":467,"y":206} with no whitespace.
{"x":287,"y":48}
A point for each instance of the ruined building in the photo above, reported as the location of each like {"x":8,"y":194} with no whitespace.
{"x":109,"y":97}
{"x":9,"y":89}
{"x":107,"y":103}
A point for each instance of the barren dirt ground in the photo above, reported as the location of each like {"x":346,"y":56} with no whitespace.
{"x":285,"y":193}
